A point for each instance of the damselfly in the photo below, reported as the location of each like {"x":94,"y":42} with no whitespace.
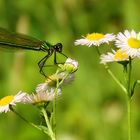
{"x":20,"y":41}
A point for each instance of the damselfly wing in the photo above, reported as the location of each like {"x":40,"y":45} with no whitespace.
{"x":20,"y":41}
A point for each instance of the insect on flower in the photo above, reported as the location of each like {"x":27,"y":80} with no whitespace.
{"x":19,"y":41}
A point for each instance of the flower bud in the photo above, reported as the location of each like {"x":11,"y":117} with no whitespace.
{"x":70,"y":66}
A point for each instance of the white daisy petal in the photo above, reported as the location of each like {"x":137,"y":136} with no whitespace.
{"x":71,"y":61}
{"x":41,"y":97}
{"x":19,"y":97}
{"x":41,"y":87}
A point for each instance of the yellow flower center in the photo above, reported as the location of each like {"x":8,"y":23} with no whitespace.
{"x":119,"y":55}
{"x":6,"y":100}
{"x":94,"y":36}
{"x":134,"y":43}
{"x":52,"y":80}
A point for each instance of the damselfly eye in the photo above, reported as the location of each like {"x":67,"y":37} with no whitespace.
{"x":58,"y":47}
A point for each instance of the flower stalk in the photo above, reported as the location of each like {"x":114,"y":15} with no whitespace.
{"x":45,"y":93}
{"x":129,"y":90}
{"x":25,"y":120}
{"x":115,"y":79}
{"x":50,"y":131}
{"x":129,"y":117}
{"x":126,"y":48}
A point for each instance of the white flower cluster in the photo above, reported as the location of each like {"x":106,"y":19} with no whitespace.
{"x":45,"y":92}
{"x":128,"y":44}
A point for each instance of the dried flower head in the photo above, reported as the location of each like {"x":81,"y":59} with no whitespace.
{"x":42,"y":96}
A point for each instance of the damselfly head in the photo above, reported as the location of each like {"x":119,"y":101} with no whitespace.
{"x":58,"y":47}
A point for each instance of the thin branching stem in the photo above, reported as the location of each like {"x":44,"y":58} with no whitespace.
{"x":115,"y":79}
{"x":50,"y":131}
{"x":58,"y":84}
{"x":98,"y":51}
{"x":30,"y":123}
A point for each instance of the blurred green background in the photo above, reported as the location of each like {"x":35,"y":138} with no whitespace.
{"x":90,"y":108}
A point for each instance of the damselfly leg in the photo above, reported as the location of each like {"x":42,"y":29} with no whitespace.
{"x":55,"y":60}
{"x":42,"y":62}
{"x":56,"y":49}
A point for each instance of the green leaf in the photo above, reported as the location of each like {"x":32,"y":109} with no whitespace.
{"x":43,"y":128}
{"x":133,"y":87}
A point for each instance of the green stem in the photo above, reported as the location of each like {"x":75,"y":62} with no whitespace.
{"x":32,"y":124}
{"x":129,"y":117}
{"x":54,"y":110}
{"x":51,"y":133}
{"x":54,"y":102}
{"x":129,"y":78}
{"x":98,"y":51}
{"x":129,"y":99}
{"x":115,"y":79}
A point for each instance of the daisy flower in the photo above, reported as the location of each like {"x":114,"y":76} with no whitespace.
{"x":51,"y":82}
{"x":10,"y":100}
{"x":119,"y":56}
{"x":129,"y":42}
{"x":95,"y":39}
{"x":41,"y":97}
{"x":65,"y":73}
